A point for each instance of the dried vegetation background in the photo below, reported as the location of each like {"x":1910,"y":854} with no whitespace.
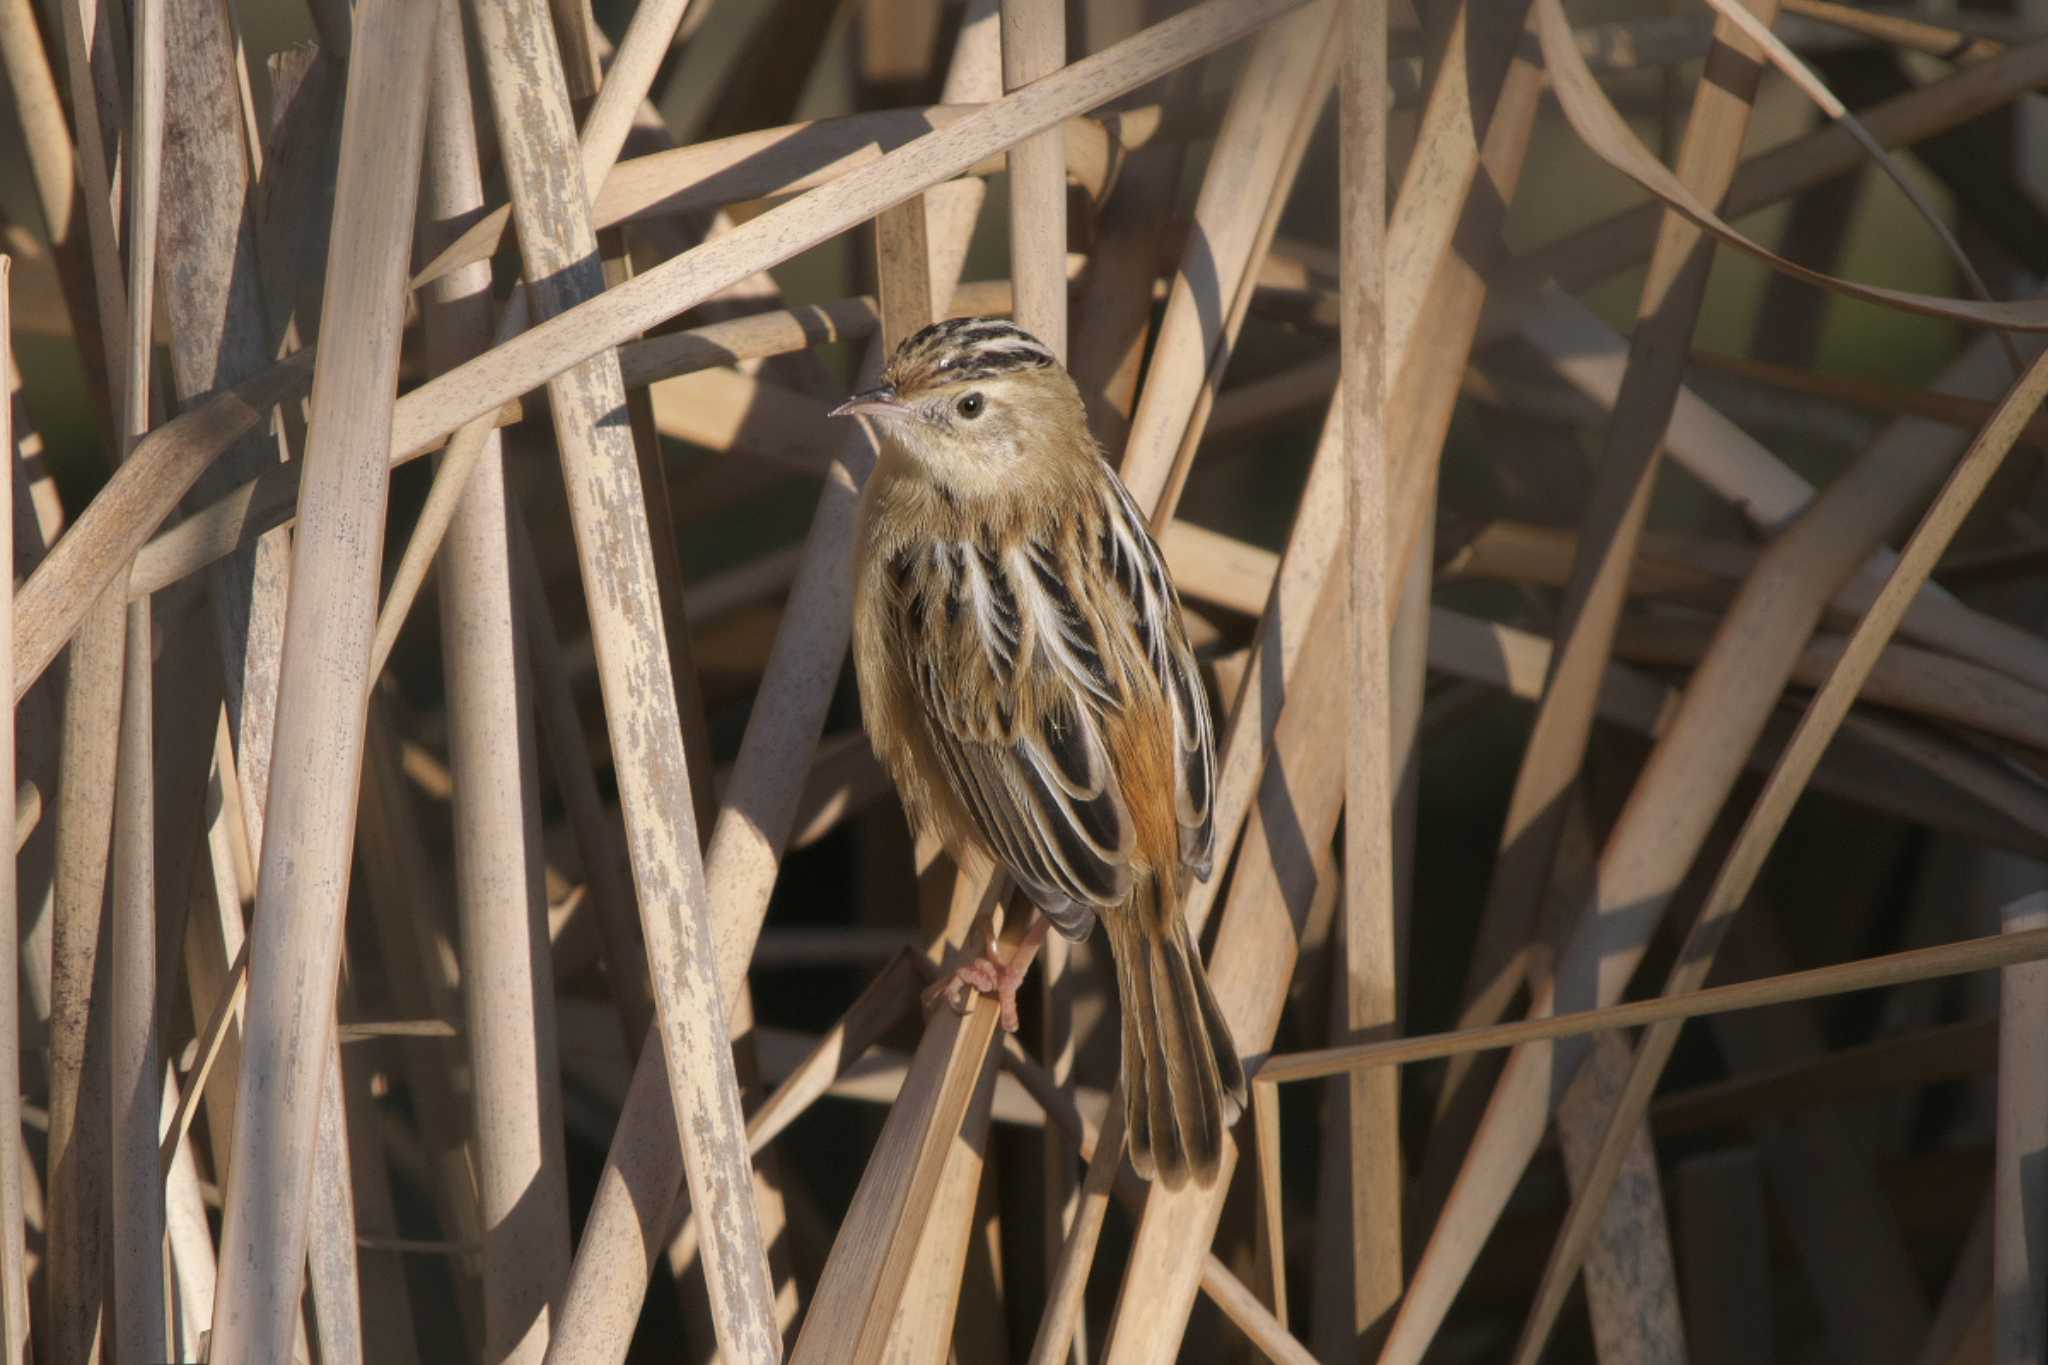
{"x":456,"y":915}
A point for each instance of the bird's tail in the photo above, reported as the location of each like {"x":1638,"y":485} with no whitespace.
{"x":1183,"y":1083}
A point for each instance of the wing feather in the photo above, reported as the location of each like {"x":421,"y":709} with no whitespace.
{"x":1132,"y":562}
{"x":1021,"y":653}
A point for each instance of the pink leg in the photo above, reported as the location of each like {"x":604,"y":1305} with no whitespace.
{"x":988,"y":973}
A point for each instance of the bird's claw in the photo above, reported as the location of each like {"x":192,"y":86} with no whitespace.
{"x":983,"y":974}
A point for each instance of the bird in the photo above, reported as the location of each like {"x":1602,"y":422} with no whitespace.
{"x":1026,"y":680}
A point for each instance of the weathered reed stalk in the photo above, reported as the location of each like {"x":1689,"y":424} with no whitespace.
{"x":80,"y":1131}
{"x":1281,"y":87}
{"x":501,"y":906}
{"x":1370,"y":966}
{"x":323,"y":693}
{"x":609,"y":512}
{"x":137,"y":1189}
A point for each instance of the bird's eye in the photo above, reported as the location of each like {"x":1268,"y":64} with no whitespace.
{"x":970,"y":407}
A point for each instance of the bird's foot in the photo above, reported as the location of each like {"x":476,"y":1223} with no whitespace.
{"x":988,"y":972}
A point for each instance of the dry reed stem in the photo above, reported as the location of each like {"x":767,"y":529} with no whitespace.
{"x":759,"y":804}
{"x":911,"y":1212}
{"x":1057,"y":1109}
{"x":1244,"y":176}
{"x":1954,"y":788}
{"x":1874,"y":973}
{"x":136,"y":1188}
{"x":1443,"y":205}
{"x":1898,"y":31}
{"x":1312,"y":544}
{"x":1771,"y":495}
{"x":1115,"y":304}
{"x":1668,"y":815}
{"x":1243,"y":1308}
{"x":79,"y":1080}
{"x":269,"y":501}
{"x":1617,"y":508}
{"x":317,"y":747}
{"x":1286,"y":166}
{"x":220,"y":334}
{"x":1630,"y":1280}
{"x":1370,"y":968}
{"x":501,"y":905}
{"x":599,"y":150}
{"x":859,"y":1290}
{"x":609,"y":512}
{"x":91,"y":38}
{"x":412,"y":951}
{"x":773,"y":162}
{"x":13,"y":1272}
{"x":1893,"y":400}
{"x":1913,"y":680}
{"x":1626,"y":238}
{"x":189,"y":1235}
{"x":760,"y":801}
{"x":530,"y":360}
{"x":1271,"y":1245}
{"x":332,"y":1274}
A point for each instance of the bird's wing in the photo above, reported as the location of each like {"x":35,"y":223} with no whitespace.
{"x":1130,"y":559}
{"x":1008,"y":663}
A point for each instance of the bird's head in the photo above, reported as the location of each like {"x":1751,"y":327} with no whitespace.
{"x":978,"y":403}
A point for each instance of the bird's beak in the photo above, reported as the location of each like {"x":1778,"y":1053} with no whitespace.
{"x":876,"y":402}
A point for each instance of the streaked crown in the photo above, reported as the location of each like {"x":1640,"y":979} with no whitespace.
{"x":963,"y":350}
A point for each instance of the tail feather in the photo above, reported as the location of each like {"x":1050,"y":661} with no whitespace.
{"x":1183,"y":1083}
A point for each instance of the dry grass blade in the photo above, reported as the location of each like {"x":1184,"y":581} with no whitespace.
{"x":1917,"y":964}
{"x":318,"y":746}
{"x":1625,"y":239}
{"x":1757,"y":29}
{"x":1602,"y":130}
